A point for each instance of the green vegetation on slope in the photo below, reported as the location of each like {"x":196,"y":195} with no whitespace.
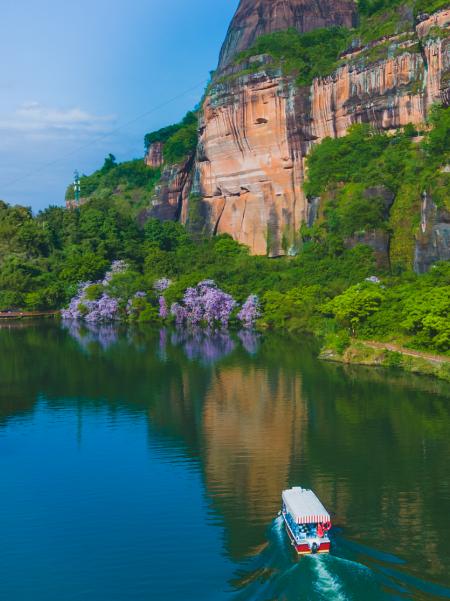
{"x":343,"y":171}
{"x":410,"y":309}
{"x":179,"y":140}
{"x":132,"y":182}
{"x":306,"y":56}
{"x":44,"y":257}
{"x":317,"y":53}
{"x":164,"y":134}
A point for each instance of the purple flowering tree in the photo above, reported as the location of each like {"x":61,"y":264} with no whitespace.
{"x":162,"y":284}
{"x":205,"y":303}
{"x":163,"y":309}
{"x":250,"y":311}
{"x":116,"y":267}
{"x":103,"y":309}
{"x":179,"y":313}
{"x":74,"y":311}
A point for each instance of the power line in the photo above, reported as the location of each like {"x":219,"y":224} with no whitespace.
{"x":105,"y":135}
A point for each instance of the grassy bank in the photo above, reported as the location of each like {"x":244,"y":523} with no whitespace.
{"x":15,"y":315}
{"x":379,"y":354}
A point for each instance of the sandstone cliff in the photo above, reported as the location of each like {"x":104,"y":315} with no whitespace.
{"x":257,"y":124}
{"x":257,"y":17}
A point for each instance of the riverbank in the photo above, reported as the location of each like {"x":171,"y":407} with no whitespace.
{"x":380,"y":354}
{"x":14,"y":315}
{"x":359,"y":352}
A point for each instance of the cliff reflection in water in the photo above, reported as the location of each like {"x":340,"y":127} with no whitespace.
{"x":256,"y":415}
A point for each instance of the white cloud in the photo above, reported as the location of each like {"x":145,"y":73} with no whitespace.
{"x":34,"y":118}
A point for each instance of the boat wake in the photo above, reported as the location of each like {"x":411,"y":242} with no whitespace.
{"x":328,"y":584}
{"x":275,"y":573}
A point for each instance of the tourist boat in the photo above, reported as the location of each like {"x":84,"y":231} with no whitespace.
{"x":307,"y":521}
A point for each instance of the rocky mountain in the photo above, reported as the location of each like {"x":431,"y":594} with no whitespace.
{"x":258,"y":17}
{"x":265,"y":109}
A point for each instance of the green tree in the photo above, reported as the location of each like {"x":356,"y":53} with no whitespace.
{"x":355,"y":305}
{"x":110,"y":163}
{"x":167,"y":235}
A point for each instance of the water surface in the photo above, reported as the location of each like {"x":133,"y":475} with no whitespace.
{"x":143,"y":464}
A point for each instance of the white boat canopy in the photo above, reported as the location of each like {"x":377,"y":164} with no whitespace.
{"x":304,"y":506}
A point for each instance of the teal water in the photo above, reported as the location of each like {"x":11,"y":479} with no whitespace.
{"x":143,"y":464}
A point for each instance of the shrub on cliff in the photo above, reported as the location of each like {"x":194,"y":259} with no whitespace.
{"x":350,"y":158}
{"x":305,"y":55}
{"x":342,"y":170}
{"x":180,"y":139}
{"x":181,"y":144}
{"x":165,"y":133}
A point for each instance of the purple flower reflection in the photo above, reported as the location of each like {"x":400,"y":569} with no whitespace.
{"x":207,"y":346}
{"x":163,"y":344}
{"x":89,"y":334}
{"x":250,"y":341}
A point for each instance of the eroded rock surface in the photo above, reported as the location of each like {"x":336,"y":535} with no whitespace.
{"x":256,"y":129}
{"x":171,"y":194}
{"x":155,"y":155}
{"x":257,"y":17}
{"x":247,"y":170}
{"x":433,"y":238}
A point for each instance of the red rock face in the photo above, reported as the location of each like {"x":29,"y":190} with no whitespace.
{"x":171,"y":194}
{"x":257,"y":17}
{"x":258,"y":129}
{"x":71,"y":204}
{"x":154,"y":157}
{"x":251,"y":176}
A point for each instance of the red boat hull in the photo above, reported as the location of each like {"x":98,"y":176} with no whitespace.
{"x":304,"y":548}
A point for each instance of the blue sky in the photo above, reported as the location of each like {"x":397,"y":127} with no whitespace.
{"x":73,"y":74}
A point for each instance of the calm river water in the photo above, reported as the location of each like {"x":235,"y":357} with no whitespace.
{"x":144,"y":465}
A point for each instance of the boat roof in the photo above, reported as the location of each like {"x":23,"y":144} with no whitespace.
{"x":304,"y":506}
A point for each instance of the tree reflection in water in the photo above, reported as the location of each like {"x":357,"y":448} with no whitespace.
{"x":250,"y":341}
{"x":204,"y":345}
{"x":90,"y":334}
{"x":199,"y":344}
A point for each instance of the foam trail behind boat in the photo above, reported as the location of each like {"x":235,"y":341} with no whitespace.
{"x":328,"y":585}
{"x":276,"y":573}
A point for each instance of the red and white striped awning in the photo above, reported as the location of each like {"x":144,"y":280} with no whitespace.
{"x":304,"y":506}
